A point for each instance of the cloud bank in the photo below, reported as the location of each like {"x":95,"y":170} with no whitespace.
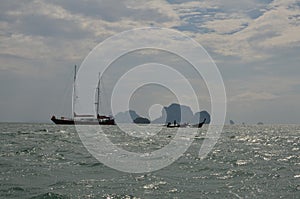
{"x":254,"y":42}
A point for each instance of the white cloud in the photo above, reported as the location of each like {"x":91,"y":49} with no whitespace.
{"x":234,"y":32}
{"x":218,"y":25}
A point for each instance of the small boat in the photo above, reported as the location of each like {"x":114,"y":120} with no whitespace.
{"x":84,"y":119}
{"x":174,"y":125}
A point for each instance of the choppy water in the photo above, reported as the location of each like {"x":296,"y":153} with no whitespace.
{"x":48,"y":161}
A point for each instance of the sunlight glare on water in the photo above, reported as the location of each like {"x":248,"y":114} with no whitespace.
{"x":47,"y":161}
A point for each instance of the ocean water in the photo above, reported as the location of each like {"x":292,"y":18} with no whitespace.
{"x":48,"y":161}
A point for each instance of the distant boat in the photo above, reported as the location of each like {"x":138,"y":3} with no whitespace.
{"x":174,"y":125}
{"x":84,"y":119}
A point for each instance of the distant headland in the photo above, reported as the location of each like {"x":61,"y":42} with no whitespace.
{"x":173,"y":112}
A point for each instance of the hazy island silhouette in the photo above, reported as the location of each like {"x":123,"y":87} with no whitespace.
{"x":173,"y":112}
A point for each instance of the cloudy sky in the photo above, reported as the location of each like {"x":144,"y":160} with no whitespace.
{"x":255,"y":43}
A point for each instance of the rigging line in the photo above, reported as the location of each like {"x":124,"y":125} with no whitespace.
{"x":97,"y":95}
{"x":74,"y":95}
{"x":104,"y":103}
{"x":67,"y":93}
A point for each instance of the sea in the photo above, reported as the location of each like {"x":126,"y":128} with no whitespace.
{"x":43,"y":161}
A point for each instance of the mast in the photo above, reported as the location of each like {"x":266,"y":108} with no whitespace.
{"x":74,"y":91}
{"x":98,"y":95}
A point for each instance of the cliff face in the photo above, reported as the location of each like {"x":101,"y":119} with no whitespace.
{"x":126,"y":117}
{"x":182,"y":114}
{"x":141,"y":120}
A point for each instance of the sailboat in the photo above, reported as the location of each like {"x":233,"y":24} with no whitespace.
{"x":84,"y":119}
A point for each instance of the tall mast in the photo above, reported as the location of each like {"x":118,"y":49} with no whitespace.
{"x":98,"y":96}
{"x":74,"y":91}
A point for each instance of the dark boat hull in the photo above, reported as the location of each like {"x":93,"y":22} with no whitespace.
{"x":62,"y":121}
{"x":83,"y":122}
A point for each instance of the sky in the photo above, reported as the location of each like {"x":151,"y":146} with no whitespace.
{"x":255,"y":44}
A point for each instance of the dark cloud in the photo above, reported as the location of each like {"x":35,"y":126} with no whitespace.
{"x":193,"y":28}
{"x":264,"y":1}
{"x":178,"y":1}
{"x":255,"y":13}
{"x":199,"y":15}
{"x":242,"y":27}
{"x":194,"y":22}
